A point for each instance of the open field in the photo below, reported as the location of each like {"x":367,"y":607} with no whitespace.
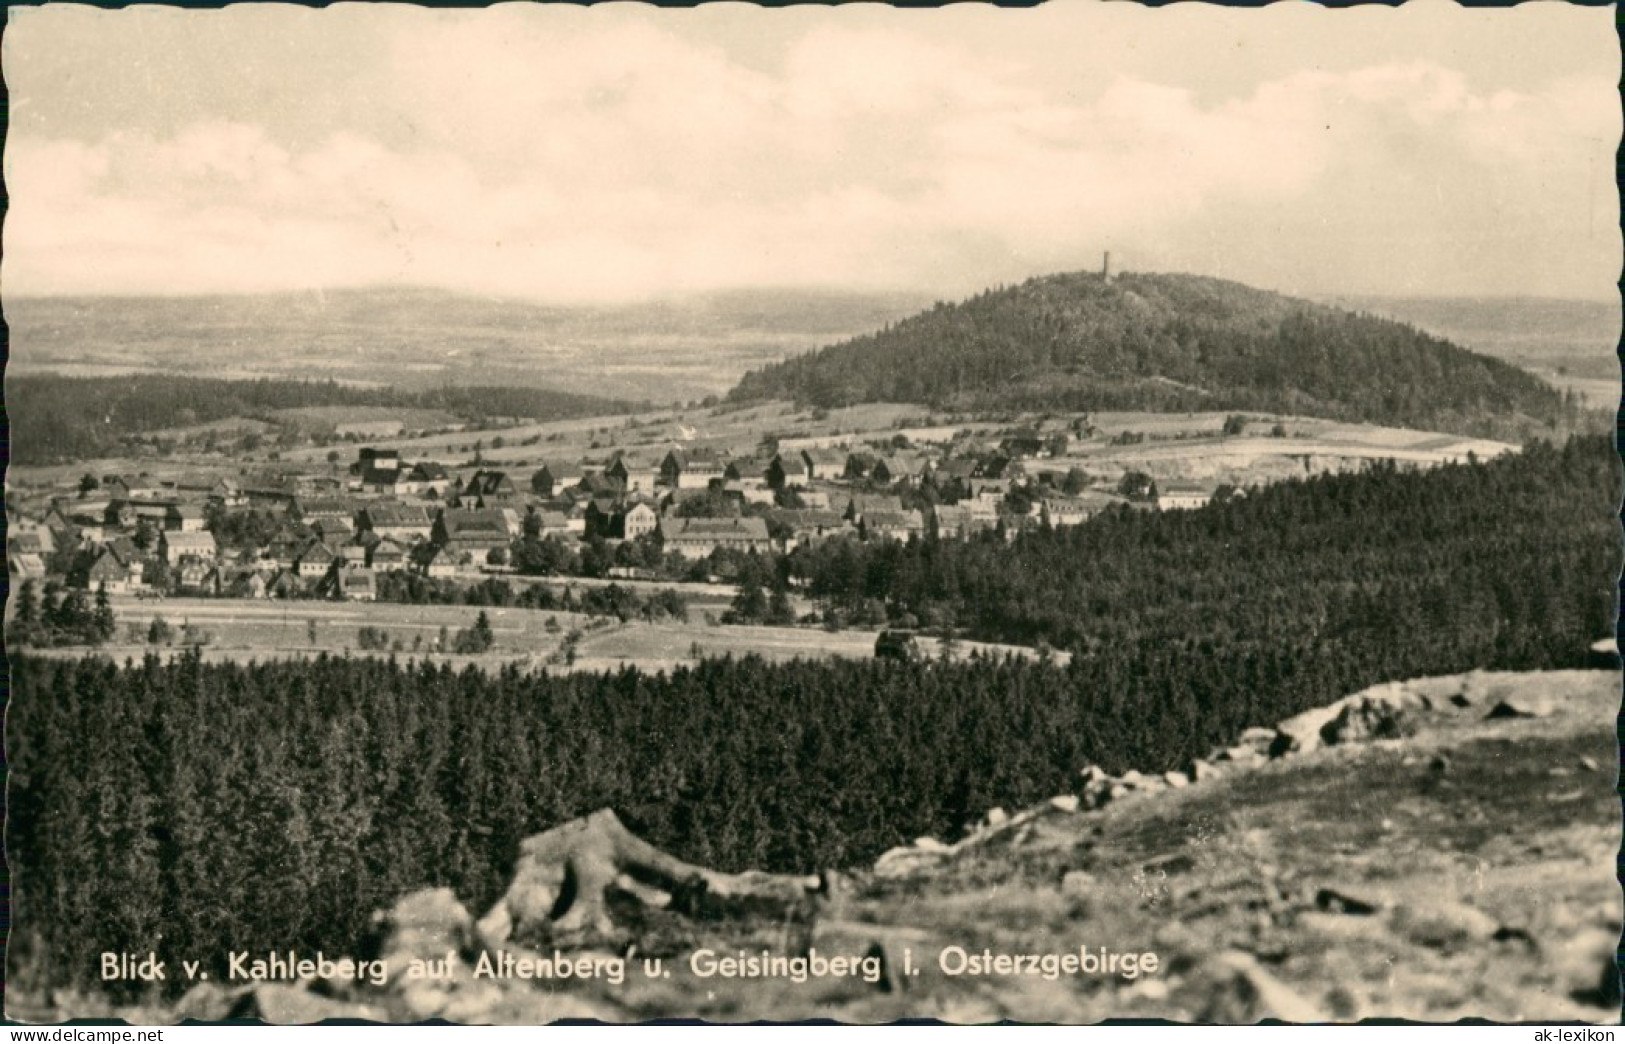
{"x":243,"y":630}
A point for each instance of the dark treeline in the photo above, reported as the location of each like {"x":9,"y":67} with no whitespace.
{"x":72,"y":418}
{"x":1167,"y":342}
{"x":621,"y":602}
{"x":1521,"y":546}
{"x":194,"y":808}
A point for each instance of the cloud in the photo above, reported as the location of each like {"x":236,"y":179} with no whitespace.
{"x":577,"y":156}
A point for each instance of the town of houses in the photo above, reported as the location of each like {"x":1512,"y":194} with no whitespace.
{"x":312,"y":534}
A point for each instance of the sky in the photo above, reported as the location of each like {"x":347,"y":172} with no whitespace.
{"x":624,"y":152}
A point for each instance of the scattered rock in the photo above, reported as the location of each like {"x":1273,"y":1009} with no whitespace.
{"x":1333,"y":901}
{"x":424,"y":925}
{"x":1176,"y":779}
{"x":207,"y":1002}
{"x":1064,"y":802}
{"x":995,"y":817}
{"x":1256,"y":739}
{"x":930,"y":844}
{"x":1202,"y":770}
{"x":1241,"y":755}
{"x":1382,"y":716}
{"x":1588,"y":764}
{"x":1442,"y":924}
{"x":1508,"y":709}
{"x":907,"y":861}
{"x":1134,"y":779}
{"x":1232,"y":989}
{"x":1588,"y":965}
{"x":1093,"y":774}
{"x":1300,"y":733}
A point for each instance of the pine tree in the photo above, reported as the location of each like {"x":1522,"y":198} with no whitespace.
{"x":104,"y":624}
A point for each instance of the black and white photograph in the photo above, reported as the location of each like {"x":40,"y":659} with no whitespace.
{"x":833,"y":513}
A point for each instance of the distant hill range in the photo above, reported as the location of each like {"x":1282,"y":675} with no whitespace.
{"x":1167,"y":342}
{"x":420,"y":339}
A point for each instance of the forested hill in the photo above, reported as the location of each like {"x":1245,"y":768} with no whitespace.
{"x":1165,"y":342}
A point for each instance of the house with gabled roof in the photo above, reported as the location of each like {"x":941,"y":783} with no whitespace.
{"x":892,"y":525}
{"x":315,"y":560}
{"x":787,"y":470}
{"x":553,"y":477}
{"x":696,"y":538}
{"x":476,"y":531}
{"x":438,"y":562}
{"x":426,"y":476}
{"x":387,"y":556}
{"x":488,"y":489}
{"x":859,"y":504}
{"x":25,"y":565}
{"x":825,"y":463}
{"x":632,"y":474}
{"x":186,"y":518}
{"x":173,"y":546}
{"x":397,"y":521}
{"x":1183,"y":496}
{"x":964,"y":520}
{"x":688,"y":468}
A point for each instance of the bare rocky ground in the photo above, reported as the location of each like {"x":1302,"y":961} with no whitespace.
{"x":1434,"y":850}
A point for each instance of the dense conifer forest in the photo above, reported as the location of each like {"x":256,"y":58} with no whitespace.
{"x":193,"y":808}
{"x":1517,"y":547}
{"x":1166,"y":342}
{"x":79,"y":418}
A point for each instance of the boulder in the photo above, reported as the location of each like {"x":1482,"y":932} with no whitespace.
{"x":1064,"y":802}
{"x":907,"y":861}
{"x":424,"y":925}
{"x":1381,"y":716}
{"x":1588,"y":965}
{"x":1300,"y":733}
{"x":1232,"y":989}
{"x":1508,"y":709}
{"x":1176,"y":780}
{"x":566,"y":878}
{"x":1333,"y":900}
{"x":1257,"y":738}
{"x":995,"y":817}
{"x":1202,"y":771}
{"x":1441,"y":924}
{"x":1097,"y":795}
{"x":1093,"y":774}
